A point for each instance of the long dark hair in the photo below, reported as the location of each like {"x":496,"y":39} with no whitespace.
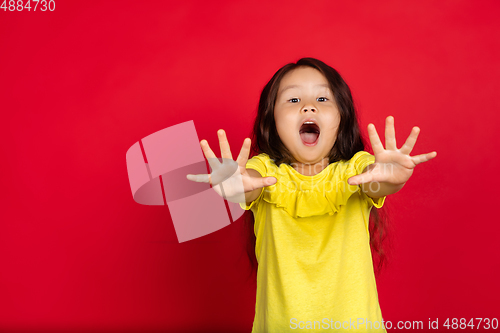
{"x":265,"y":139}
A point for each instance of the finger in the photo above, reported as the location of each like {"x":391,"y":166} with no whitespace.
{"x":244,"y":153}
{"x":207,"y":150}
{"x":224,"y":145}
{"x":375,"y":140}
{"x":423,"y":158}
{"x":263,"y":182}
{"x":390,"y":134}
{"x":213,"y":161}
{"x":365,"y":177}
{"x":410,"y":141}
{"x":199,"y":178}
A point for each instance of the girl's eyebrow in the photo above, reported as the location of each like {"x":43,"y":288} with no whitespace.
{"x":324,"y":85}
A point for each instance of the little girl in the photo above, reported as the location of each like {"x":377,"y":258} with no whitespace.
{"x":311,"y":188}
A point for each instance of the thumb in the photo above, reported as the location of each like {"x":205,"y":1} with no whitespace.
{"x":264,"y":181}
{"x":353,"y":180}
{"x":270,"y":180}
{"x":365,"y":177}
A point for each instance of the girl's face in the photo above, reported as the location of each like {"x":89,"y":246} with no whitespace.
{"x":305,"y":95}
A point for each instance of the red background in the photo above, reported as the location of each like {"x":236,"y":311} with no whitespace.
{"x":80,"y":85}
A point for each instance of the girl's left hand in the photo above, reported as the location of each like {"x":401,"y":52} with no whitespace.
{"x":392,"y":165}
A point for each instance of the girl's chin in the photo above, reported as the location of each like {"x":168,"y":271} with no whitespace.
{"x":310,"y":155}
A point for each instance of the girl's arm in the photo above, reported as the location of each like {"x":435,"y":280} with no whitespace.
{"x":393,"y":167}
{"x":379,"y":189}
{"x":252,"y":195}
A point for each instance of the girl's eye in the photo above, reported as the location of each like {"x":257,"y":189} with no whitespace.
{"x":294,"y":100}
{"x":322,"y":99}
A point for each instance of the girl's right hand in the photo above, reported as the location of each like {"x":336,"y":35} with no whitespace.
{"x":236,"y":182}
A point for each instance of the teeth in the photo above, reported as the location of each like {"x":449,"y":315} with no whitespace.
{"x":309,"y":122}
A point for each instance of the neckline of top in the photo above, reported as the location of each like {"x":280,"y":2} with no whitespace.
{"x":317,"y":176}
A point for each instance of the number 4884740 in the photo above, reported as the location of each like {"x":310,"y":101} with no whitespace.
{"x":19,"y":5}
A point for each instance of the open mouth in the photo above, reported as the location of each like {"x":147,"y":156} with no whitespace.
{"x":309,"y":133}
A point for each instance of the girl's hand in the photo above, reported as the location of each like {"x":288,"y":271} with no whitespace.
{"x":392,"y":165}
{"x":230,"y":178}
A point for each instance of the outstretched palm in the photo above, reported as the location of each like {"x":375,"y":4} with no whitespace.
{"x":230,"y":179}
{"x":392,"y":165}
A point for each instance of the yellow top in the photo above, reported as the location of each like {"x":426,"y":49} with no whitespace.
{"x":315,"y":266}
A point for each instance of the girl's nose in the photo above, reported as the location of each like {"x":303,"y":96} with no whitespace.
{"x":309,"y":108}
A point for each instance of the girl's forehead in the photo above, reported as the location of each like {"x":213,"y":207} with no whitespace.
{"x":303,"y":77}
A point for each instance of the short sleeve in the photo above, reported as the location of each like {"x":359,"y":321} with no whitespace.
{"x":257,"y":163}
{"x":376,"y":202}
{"x":361,"y":160}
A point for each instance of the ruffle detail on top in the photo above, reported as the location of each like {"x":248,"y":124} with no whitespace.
{"x":304,"y":196}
